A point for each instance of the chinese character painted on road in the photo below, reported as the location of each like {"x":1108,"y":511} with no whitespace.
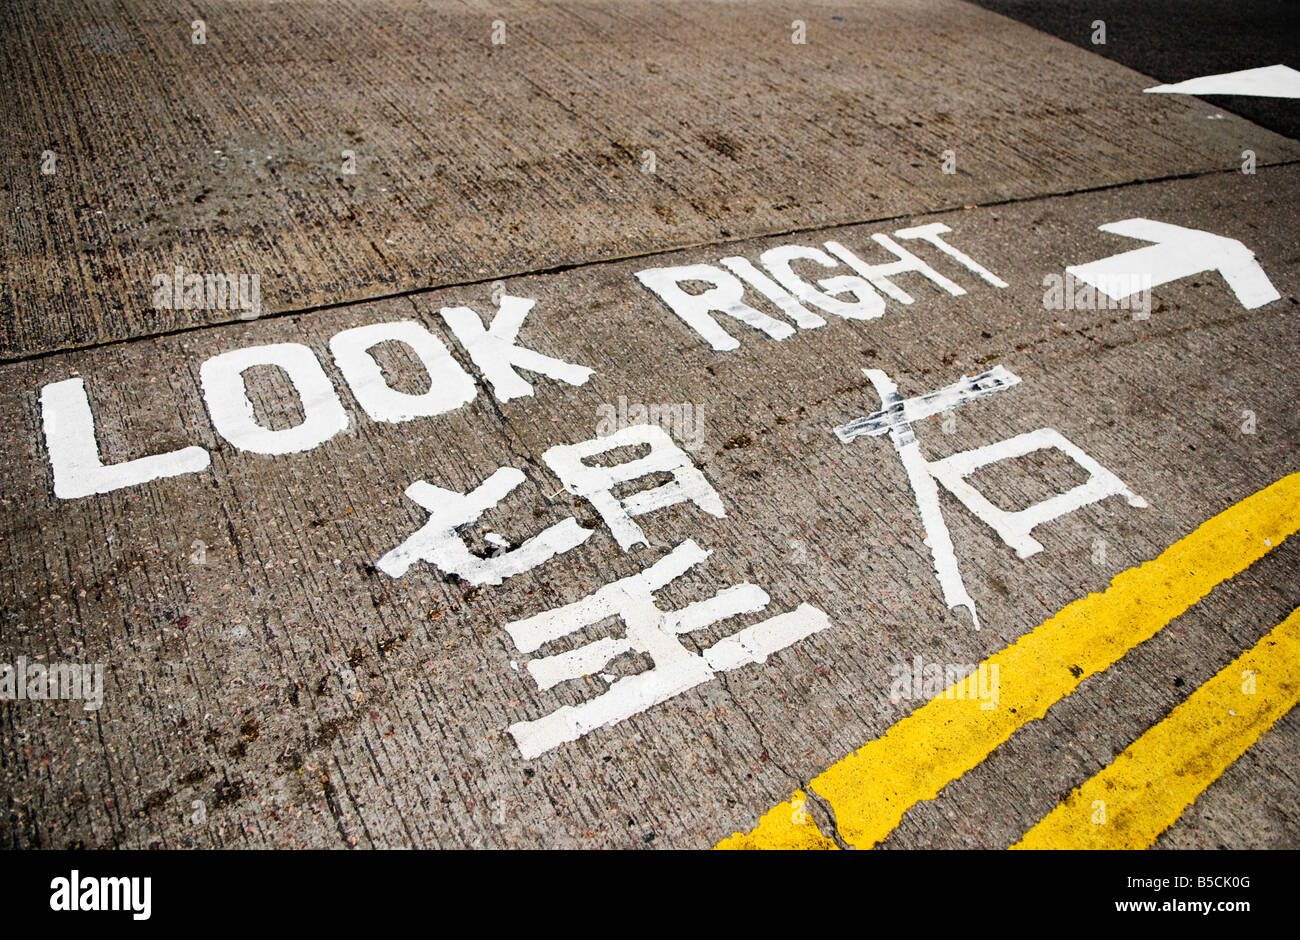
{"x":648,"y":630}
{"x":1014,"y":528}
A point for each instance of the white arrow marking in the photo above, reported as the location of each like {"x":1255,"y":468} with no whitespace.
{"x":1272,"y":81}
{"x":1179,"y":252}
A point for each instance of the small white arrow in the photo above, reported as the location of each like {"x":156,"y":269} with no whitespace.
{"x":1272,"y":81}
{"x":1179,"y":252}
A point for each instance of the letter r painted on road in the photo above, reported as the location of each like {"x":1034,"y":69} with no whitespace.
{"x":726,"y":296}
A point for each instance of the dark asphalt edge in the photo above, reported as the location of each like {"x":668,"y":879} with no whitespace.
{"x":1160,"y":81}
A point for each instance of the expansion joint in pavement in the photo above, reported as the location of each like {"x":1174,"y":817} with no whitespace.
{"x":613,"y":259}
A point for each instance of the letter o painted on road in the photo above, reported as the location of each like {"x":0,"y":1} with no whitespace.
{"x":226,"y":396}
{"x":449,"y":385}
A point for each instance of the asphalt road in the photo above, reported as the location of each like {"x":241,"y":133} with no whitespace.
{"x":302,"y":649}
{"x":1174,"y":40}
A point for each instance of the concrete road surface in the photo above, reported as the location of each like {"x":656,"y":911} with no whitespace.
{"x":639,"y":425}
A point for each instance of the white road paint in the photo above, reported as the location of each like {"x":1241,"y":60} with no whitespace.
{"x":1014,"y":527}
{"x":803,"y":317}
{"x":232,"y":412}
{"x":755,"y":643}
{"x":586,"y":660}
{"x":496,"y":354}
{"x":596,"y":484}
{"x":930,"y":404}
{"x":74,"y":454}
{"x":450,"y":386}
{"x":653,"y":632}
{"x":866,"y":303}
{"x":930,"y":233}
{"x":726,"y":296}
{"x":935,"y":530}
{"x":849,"y":296}
{"x":879,"y":274}
{"x":1271,"y":81}
{"x":1178,"y":253}
{"x":438,"y":543}
{"x":69,"y":424}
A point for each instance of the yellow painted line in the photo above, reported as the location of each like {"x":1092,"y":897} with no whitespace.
{"x":1144,"y":790}
{"x":873,"y":787}
{"x":786,"y":826}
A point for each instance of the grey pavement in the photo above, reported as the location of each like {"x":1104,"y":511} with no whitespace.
{"x":267,"y":685}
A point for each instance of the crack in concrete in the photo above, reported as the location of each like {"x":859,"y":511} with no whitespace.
{"x":815,"y":804}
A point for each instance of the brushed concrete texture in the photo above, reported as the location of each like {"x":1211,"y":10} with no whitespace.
{"x":302,"y":698}
{"x":476,"y":161}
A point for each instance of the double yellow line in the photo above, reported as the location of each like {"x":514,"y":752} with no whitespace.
{"x":1146,"y":788}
